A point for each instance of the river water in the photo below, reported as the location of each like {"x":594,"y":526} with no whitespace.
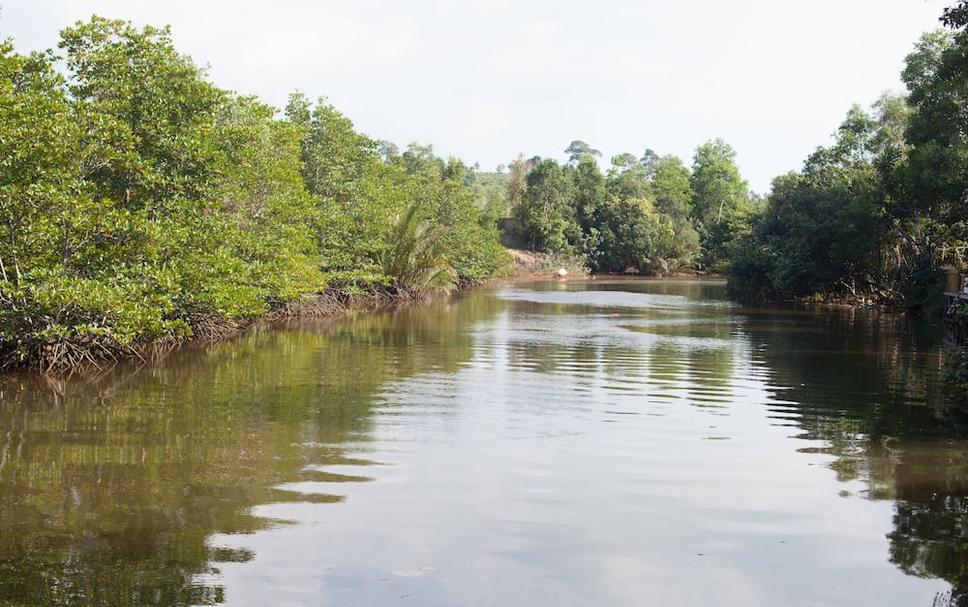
{"x":583,"y":442}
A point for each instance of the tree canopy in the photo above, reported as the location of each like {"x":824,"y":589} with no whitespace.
{"x":139,"y":201}
{"x":875,"y":215}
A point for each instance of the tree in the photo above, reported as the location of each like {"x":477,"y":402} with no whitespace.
{"x":717,"y":185}
{"x":546,"y":215}
{"x":266,"y":209}
{"x":156,"y":202}
{"x":828,"y":229}
{"x":649,"y":160}
{"x":420,"y":159}
{"x":673,"y":198}
{"x":720,"y":201}
{"x":956,"y":16}
{"x":671,"y":186}
{"x":145,"y":110}
{"x":517,"y":182}
{"x":578,"y":148}
{"x":588,"y":203}
{"x":40,"y":178}
{"x":627,"y":182}
{"x":335,"y":156}
{"x":938,"y":133}
{"x":138,"y":201}
{"x":929,"y":196}
{"x":589,"y":193}
{"x":630,"y":234}
{"x":624,"y":161}
{"x":388,"y":150}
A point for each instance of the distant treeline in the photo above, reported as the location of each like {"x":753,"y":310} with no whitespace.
{"x":139,"y":201}
{"x":871,"y":218}
{"x":648,"y":215}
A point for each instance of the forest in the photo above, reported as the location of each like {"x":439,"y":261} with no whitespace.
{"x":871,"y":218}
{"x":649,"y":215}
{"x":140,"y":203}
{"x":875,"y":216}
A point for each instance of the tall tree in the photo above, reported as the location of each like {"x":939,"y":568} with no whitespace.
{"x":671,"y":186}
{"x":673,"y":195}
{"x":938,"y":131}
{"x":720,"y":201}
{"x":146,"y":110}
{"x":623,"y":162}
{"x":578,"y":148}
{"x":649,"y":160}
{"x":335,"y":156}
{"x":589,"y":204}
{"x":546,"y":215}
{"x":516,"y":181}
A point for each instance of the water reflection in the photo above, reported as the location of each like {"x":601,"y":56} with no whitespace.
{"x":867,"y":385}
{"x":602,"y":442}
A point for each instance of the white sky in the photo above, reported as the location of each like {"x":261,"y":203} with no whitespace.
{"x":488,"y":79}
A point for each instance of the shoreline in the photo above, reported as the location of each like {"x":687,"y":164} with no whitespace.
{"x":91,"y":356}
{"x":69,"y":357}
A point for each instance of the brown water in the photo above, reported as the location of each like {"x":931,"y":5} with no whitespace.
{"x":563,"y":443}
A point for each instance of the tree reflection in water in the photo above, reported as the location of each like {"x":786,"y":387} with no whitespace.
{"x":111,"y":485}
{"x":887,"y":423}
{"x":111,"y":488}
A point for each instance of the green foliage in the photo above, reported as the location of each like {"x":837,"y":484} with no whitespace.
{"x":589,"y":197}
{"x":634,"y":219}
{"x":578,"y":148}
{"x":266,"y":212}
{"x":417,"y":256}
{"x":875,"y":215}
{"x":517,"y":183}
{"x":631,"y":237}
{"x":720,"y":202}
{"x":146,"y":115}
{"x":490,"y":193}
{"x":631,"y":234}
{"x":361,"y":190}
{"x":336,"y":158}
{"x":469,"y":232}
{"x":824,"y":230}
{"x":139,"y":201}
{"x":546,"y":213}
{"x":673,"y":198}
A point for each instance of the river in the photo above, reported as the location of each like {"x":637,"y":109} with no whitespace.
{"x":582,"y":442}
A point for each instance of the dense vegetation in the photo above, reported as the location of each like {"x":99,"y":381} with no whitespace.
{"x":876,"y":215}
{"x":138,"y":201}
{"x":648,"y":215}
{"x":871,"y":218}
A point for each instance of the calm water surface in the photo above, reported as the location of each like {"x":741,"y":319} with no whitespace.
{"x":597,"y":442}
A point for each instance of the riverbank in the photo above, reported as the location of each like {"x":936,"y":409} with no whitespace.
{"x":95,"y":353}
{"x":98,"y":352}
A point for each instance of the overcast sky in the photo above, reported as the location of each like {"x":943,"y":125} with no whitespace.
{"x":486,"y":80}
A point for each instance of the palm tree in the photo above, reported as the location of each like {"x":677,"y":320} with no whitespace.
{"x":417,"y":259}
